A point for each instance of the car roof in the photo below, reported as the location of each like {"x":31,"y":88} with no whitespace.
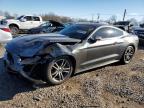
{"x":91,"y":24}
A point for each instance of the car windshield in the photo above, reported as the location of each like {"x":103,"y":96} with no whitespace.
{"x":18,"y":18}
{"x":122,"y":23}
{"x":78,"y":31}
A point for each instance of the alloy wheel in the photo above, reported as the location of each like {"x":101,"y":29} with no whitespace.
{"x":60,"y":70}
{"x":128,"y":54}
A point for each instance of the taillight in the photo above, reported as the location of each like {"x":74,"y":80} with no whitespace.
{"x":5,"y":29}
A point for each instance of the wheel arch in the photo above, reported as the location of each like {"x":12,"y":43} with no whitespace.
{"x":58,"y":50}
{"x":122,"y":61}
{"x":73,"y":60}
{"x":13,"y":24}
{"x":132,"y":46}
{"x":126,"y":48}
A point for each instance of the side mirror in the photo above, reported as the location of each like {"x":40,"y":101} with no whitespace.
{"x":98,"y":38}
{"x":51,"y":25}
{"x":93,"y":40}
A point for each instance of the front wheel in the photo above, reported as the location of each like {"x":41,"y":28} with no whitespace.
{"x":14,"y":30}
{"x":58,"y":70}
{"x":128,"y":55}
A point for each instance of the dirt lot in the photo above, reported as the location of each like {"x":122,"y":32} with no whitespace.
{"x":113,"y":86}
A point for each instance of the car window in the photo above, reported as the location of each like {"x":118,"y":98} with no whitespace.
{"x":28,"y":18}
{"x":108,"y":32}
{"x":36,"y":18}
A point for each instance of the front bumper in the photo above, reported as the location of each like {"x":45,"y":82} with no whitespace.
{"x":14,"y":66}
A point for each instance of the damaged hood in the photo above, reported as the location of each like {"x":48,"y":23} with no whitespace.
{"x":29,"y":45}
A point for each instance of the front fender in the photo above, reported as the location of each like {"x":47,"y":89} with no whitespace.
{"x":13,"y":22}
{"x":56,"y":49}
{"x":48,"y":53}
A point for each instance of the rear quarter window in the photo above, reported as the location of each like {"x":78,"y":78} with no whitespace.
{"x":36,"y":18}
{"x":108,"y":32}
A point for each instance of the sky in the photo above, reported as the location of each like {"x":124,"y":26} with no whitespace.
{"x":77,"y":8}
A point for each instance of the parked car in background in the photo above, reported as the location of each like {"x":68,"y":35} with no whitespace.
{"x":142,"y":25}
{"x":47,"y":27}
{"x":124,"y":25}
{"x":139,"y":31}
{"x":69,"y":24}
{"x":22,"y":23}
{"x":5,"y":34}
{"x":77,"y":48}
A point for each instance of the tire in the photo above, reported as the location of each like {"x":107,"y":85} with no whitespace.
{"x":128,"y":55}
{"x":14,"y":30}
{"x":58,"y":70}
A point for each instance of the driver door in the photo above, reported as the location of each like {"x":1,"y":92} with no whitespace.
{"x":28,"y":23}
{"x":104,"y":50}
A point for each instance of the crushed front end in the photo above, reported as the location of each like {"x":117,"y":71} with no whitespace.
{"x":28,"y":55}
{"x":21,"y":58}
{"x":28,"y":67}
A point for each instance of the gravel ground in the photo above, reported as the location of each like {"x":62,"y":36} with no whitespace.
{"x":113,"y":86}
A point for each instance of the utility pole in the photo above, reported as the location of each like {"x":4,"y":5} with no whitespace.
{"x":125,"y":11}
{"x":98,"y":17}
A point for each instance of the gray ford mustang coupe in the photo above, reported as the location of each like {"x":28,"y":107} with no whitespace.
{"x":53,"y":58}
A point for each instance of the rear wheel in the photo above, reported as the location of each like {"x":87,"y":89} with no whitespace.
{"x":128,"y":55}
{"x":58,"y":70}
